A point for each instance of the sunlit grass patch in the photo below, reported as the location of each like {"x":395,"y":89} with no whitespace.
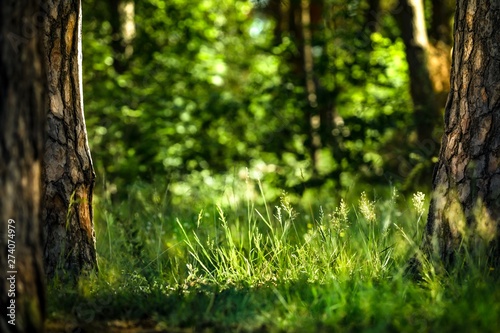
{"x":272,"y":266}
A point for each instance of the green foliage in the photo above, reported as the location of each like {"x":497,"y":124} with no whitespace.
{"x":208,"y":89}
{"x":196,"y":95}
{"x":196,"y":128}
{"x":272,"y":267}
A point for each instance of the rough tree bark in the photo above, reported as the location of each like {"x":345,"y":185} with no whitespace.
{"x":22,"y":114}
{"x":465,"y":207}
{"x":411,"y":20}
{"x":68,"y":172}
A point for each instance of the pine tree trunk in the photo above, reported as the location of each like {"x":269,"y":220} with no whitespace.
{"x":68,"y":172}
{"x":22,"y":114}
{"x":465,"y":208}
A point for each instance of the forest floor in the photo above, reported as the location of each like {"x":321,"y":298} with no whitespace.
{"x":339,"y":269}
{"x":112,"y":326}
{"x":118,"y":326}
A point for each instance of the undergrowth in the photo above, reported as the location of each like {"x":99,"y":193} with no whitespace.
{"x":236,"y":263}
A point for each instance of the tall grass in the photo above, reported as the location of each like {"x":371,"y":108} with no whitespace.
{"x":239,"y":263}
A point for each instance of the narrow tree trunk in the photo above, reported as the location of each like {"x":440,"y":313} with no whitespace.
{"x":465,"y":208}
{"x":278,"y":10}
{"x":441,"y":41}
{"x":305,"y":33}
{"x":440,"y":28}
{"x":303,"y":21}
{"x":412,"y":23}
{"x":372,"y":16}
{"x":68,"y":171}
{"x":123,"y":31}
{"x":293,"y":17}
{"x":22,"y":112}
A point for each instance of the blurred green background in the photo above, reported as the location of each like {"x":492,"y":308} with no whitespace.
{"x":187,"y":95}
